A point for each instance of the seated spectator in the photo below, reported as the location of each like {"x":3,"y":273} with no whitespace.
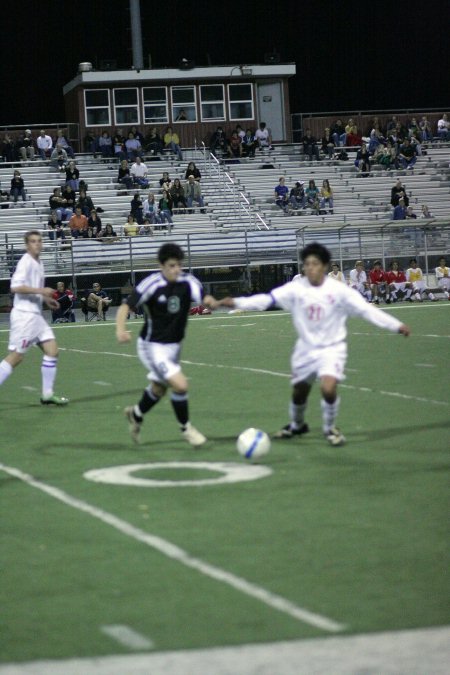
{"x":118,"y":143}
{"x":90,"y":142}
{"x":8,"y":149}
{"x":376,"y":138}
{"x":69,"y":198}
{"x":240,"y":132}
{"x":310,"y":147}
{"x":425,"y":130}
{"x":396,"y":281}
{"x":66,"y":299}
{"x":415,"y":276}
{"x":105,"y":144}
{"x":192,"y":170}
{"x":94,"y":221}
{"x":55,"y":227}
{"x":358,"y":280}
{"x":78,"y":223}
{"x":193,"y":193}
{"x":90,"y":233}
{"x":326,"y":196}
{"x":63,"y":142}
{"x":133,"y":147}
{"x":263,"y":137}
{"x":108,"y":234}
{"x":362,"y":161}
{"x":177,"y":194}
{"x":85,"y":203}
{"x":386,"y":156}
{"x":407,"y":154}
{"x":17,"y":187}
{"x":59,"y":158}
{"x":336,"y":272}
{"x":137,"y":134}
{"x":377,"y":277}
{"x":146,"y":229}
{"x":399,"y":212}
{"x":124,"y":176}
{"x":235,"y":145}
{"x":443,"y":277}
{"x":72,"y":176}
{"x":312,"y":197}
{"x":443,"y":128}
{"x":166,"y":205}
{"x":150,"y":210}
{"x":391,"y":125}
{"x":26,"y":146}
{"x":249,"y":144}
{"x":410,"y":215}
{"x":338,"y":134}
{"x":172,"y":143}
{"x":139,"y":173}
{"x":165,"y":182}
{"x":97,"y":301}
{"x":350,"y":128}
{"x":136,"y":208}
{"x":219,"y":143}
{"x":44,"y":145}
{"x":398,"y":192}
{"x":414,"y":130}
{"x":153,"y":143}
{"x":297,"y":197}
{"x":426,"y":213}
{"x":131,"y":227}
{"x":353,"y":137}
{"x":281,"y":195}
{"x":328,"y":143}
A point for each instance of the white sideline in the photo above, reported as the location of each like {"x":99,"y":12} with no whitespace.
{"x":408,"y":652}
{"x":127,"y":637}
{"x":175,"y":553}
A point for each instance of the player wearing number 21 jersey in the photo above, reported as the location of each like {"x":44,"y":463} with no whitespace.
{"x":320,"y":307}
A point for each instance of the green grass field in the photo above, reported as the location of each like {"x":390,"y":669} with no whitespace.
{"x":354,"y":535}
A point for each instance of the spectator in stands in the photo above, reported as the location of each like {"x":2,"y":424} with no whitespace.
{"x":328,"y":144}
{"x":240,"y":132}
{"x":410,"y":215}
{"x":398,"y":192}
{"x":326,"y":196}
{"x":90,"y":142}
{"x":55,"y":227}
{"x":8,"y":149}
{"x":131,"y":227}
{"x":44,"y":144}
{"x":193,"y":193}
{"x":415,"y":276}
{"x":297,"y":197}
{"x":95,"y":221}
{"x":146,"y":228}
{"x":105,"y":144}
{"x":26,"y":146}
{"x":249,"y":144}
{"x":59,"y":158}
{"x":63,"y":142}
{"x":78,"y":223}
{"x":310,"y":147}
{"x":362,"y":161}
{"x":282,"y":195}
{"x":391,"y":125}
{"x":139,"y":173}
{"x":165,"y":182}
{"x":150,"y":210}
{"x":192,"y":170}
{"x":263,"y":137}
{"x":396,"y":281}
{"x":387,"y":156}
{"x":133,"y":147}
{"x":443,"y":277}
{"x":443,"y":128}
{"x":235,"y":145}
{"x":118,"y":141}
{"x":338,"y":134}
{"x":85,"y":203}
{"x":172,"y":143}
{"x":399,"y":212}
{"x":124,"y":177}
{"x":219,"y":142}
{"x":350,"y":127}
{"x":98,"y":301}
{"x":336,"y":272}
{"x":17,"y":187}
{"x":377,"y":278}
{"x":136,"y":208}
{"x":376,"y":138}
{"x":69,"y":198}
{"x":353,"y":137}
{"x":89,"y":233}
{"x":312,"y":196}
{"x":59,"y":204}
{"x":108,"y":234}
{"x":153,"y":143}
{"x":407,"y":154}
{"x":425,"y":129}
{"x":72,"y":176}
{"x":426,"y":213}
{"x":166,"y":205}
{"x":358,"y":280}
{"x":65,"y":298}
{"x":137,"y":134}
{"x":177,"y":194}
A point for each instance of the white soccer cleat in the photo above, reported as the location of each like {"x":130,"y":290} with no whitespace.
{"x":193,"y":436}
{"x":335,"y":437}
{"x":133,"y":425}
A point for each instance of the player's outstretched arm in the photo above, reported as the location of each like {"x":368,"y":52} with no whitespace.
{"x":122,"y":334}
{"x":211,"y":302}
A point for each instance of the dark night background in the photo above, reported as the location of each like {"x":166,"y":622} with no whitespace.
{"x":349,"y":55}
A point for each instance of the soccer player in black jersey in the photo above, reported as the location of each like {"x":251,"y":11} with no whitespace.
{"x":165,"y":298}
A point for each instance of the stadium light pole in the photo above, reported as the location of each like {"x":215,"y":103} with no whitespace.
{"x":136,"y":34}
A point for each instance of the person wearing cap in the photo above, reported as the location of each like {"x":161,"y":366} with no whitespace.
{"x":26,"y":146}
{"x":297,"y":196}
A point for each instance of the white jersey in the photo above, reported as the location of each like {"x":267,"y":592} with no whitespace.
{"x":319,"y":313}
{"x":357,"y":277}
{"x":442,"y":273}
{"x":29,"y":272}
{"x":338,"y":276}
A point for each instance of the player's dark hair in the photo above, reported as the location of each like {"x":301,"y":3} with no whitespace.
{"x":377,"y":262}
{"x":31,"y":233}
{"x":170,"y":251}
{"x":318,"y":251}
{"x":412,"y":260}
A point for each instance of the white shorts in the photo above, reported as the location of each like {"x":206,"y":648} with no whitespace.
{"x":444,"y":282}
{"x":308,"y":365}
{"x":27,"y":329}
{"x":418,"y":285}
{"x":399,"y":285}
{"x":161,"y":360}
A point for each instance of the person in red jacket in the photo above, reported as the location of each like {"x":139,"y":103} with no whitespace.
{"x":377,"y":278}
{"x":396,"y":281}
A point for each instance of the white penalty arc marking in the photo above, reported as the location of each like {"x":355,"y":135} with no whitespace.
{"x":178,"y":554}
{"x":127,"y":637}
{"x":230,"y":473}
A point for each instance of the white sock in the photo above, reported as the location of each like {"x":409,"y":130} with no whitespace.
{"x":408,"y":293}
{"x":48,"y":371}
{"x":297,"y":414}
{"x":329,"y":414}
{"x":431,"y":296}
{"x":446,"y":294}
{"x":5,"y":370}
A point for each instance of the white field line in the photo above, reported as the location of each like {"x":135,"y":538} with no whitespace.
{"x":175,"y":553}
{"x":407,"y":652}
{"x":127,"y":637}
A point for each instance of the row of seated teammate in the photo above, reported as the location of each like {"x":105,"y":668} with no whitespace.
{"x":94,"y":300}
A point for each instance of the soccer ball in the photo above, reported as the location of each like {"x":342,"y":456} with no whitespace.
{"x":253,"y":443}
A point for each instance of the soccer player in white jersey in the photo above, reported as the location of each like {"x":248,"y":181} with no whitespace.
{"x":358,"y":280}
{"x":443,"y":277}
{"x":166,"y":298}
{"x":28,"y":326}
{"x":336,"y":272}
{"x":320,"y":307}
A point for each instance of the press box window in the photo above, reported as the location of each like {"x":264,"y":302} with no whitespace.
{"x":155,"y":105}
{"x":240,"y":101}
{"x":96,"y":106}
{"x":126,"y":109}
{"x":212,"y":102}
{"x":184,"y":108}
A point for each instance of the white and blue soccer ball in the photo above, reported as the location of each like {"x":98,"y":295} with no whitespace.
{"x":253,"y":443}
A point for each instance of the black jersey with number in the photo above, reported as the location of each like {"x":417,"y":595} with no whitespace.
{"x":166,"y":305}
